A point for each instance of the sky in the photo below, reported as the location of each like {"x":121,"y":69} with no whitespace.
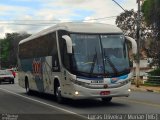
{"x":32,"y":16}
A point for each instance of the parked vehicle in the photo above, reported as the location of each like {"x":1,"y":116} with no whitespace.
{"x":13,"y":72}
{"x":6,"y":76}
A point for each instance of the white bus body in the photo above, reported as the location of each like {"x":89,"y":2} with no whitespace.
{"x":77,"y":61}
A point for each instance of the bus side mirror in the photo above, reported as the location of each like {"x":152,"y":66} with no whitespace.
{"x":134,"y":44}
{"x":68,"y":43}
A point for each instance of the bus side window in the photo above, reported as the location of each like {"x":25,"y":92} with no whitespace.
{"x":63,"y":50}
{"x":55,"y":58}
{"x":55,"y":63}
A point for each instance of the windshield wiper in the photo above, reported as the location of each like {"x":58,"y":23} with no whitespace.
{"x":111,"y":64}
{"x":93,"y":62}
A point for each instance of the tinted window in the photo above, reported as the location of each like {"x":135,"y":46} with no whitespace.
{"x":39,"y":47}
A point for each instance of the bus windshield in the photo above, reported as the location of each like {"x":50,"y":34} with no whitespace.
{"x":99,"y":54}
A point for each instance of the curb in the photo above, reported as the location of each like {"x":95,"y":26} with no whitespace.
{"x":145,"y":90}
{"x":156,"y":91}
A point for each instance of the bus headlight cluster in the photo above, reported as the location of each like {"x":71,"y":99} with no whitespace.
{"x":129,"y":90}
{"x":79,"y":82}
{"x":76,"y":93}
{"x":125,"y":82}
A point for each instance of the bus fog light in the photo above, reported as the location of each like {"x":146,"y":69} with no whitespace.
{"x":76,"y":93}
{"x":129,"y":90}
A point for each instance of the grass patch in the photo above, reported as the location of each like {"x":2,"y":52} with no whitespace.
{"x":151,"y":84}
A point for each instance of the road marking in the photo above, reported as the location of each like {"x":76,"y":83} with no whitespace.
{"x":140,"y":102}
{"x":44,"y":103}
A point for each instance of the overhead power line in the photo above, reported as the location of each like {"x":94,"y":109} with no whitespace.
{"x":46,"y":22}
{"x":119,"y":5}
{"x":109,"y":17}
{"x":34,"y":24}
{"x":32,"y":20}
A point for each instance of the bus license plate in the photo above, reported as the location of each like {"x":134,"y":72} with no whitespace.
{"x":104,"y":92}
{"x":97,"y":81}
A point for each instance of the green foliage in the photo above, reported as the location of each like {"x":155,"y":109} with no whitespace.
{"x":151,"y":12}
{"x":9,"y":48}
{"x":153,"y":78}
{"x":151,"y":84}
{"x":155,"y":72}
{"x":4,"y":50}
{"x":126,"y":21}
{"x":148,"y":10}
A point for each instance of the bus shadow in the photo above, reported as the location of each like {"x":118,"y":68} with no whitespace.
{"x":86,"y":103}
{"x":41,"y":95}
{"x":89,"y":103}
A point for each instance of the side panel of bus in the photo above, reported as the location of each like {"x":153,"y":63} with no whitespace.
{"x":35,"y":63}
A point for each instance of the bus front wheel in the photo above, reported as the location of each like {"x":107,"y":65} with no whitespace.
{"x":58,"y":95}
{"x":27,"y":86}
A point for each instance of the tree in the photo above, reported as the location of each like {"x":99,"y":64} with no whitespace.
{"x":127,"y":21}
{"x":10,"y":48}
{"x":151,"y":11}
{"x":4,"y":51}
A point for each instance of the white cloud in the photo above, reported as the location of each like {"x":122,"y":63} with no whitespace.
{"x":89,"y":19}
{"x":12,"y":9}
{"x":50,"y":14}
{"x":100,"y":8}
{"x":5,"y":29}
{"x":61,"y":10}
{"x":131,"y":4}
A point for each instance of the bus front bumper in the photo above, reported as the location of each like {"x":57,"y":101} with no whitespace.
{"x":80,"y":92}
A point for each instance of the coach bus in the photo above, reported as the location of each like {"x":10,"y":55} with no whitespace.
{"x":77,"y":61}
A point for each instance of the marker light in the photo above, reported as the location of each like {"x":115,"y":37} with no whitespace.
{"x":76,"y":93}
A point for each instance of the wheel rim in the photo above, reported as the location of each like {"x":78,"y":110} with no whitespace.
{"x":58,"y":92}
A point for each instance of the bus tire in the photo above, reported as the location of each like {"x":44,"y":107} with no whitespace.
{"x":58,"y":95}
{"x":27,"y":86}
{"x":107,"y":99}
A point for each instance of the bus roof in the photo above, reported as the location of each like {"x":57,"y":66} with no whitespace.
{"x":82,"y":27}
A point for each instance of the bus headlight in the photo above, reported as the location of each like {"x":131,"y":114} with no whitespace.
{"x":79,"y":82}
{"x":125,"y":82}
{"x":76,"y":93}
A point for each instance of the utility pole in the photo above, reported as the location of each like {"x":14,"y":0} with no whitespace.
{"x":138,"y":44}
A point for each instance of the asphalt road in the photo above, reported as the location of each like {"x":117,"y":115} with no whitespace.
{"x":14,"y":102}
